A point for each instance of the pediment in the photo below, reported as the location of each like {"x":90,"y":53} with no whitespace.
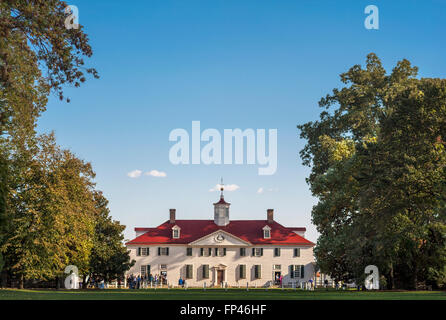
{"x":220,"y":238}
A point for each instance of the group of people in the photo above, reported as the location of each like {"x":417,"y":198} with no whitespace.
{"x":181,"y":282}
{"x":140,"y":282}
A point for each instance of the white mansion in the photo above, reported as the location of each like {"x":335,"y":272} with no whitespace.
{"x":221,"y":251}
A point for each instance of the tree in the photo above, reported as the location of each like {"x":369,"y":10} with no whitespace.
{"x":378,"y":169}
{"x":109,"y":259}
{"x":51,"y":214}
{"x":46,"y":196}
{"x":3,"y":196}
{"x":38,"y":29}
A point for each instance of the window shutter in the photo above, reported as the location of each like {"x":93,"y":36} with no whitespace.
{"x":210,"y":252}
{"x":291,"y":271}
{"x":148,"y":269}
{"x":188,"y":271}
{"x":205,"y":271}
{"x":167,"y":251}
{"x":242,"y":271}
{"x":138,"y":251}
{"x":261,"y":251}
{"x":259,"y":271}
{"x":302,"y":270}
{"x":296,"y":252}
{"x":216,"y":252}
{"x":253,"y":251}
{"x":201,"y":251}
{"x":159,"y":251}
{"x":148,"y":251}
{"x":224,"y":251}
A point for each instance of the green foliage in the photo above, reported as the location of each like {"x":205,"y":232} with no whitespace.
{"x":378,"y":169}
{"x":39,"y":28}
{"x":109,"y":259}
{"x":49,"y":212}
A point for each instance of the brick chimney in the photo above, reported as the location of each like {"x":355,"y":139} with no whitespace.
{"x":270,"y":215}
{"x":172,"y":216}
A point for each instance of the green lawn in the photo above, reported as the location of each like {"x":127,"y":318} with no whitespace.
{"x":216,"y":294}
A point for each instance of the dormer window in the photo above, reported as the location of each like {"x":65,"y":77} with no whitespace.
{"x":176,"y":232}
{"x":266,"y":232}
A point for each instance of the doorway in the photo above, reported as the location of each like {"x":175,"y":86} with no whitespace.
{"x":277,"y":275}
{"x":163,"y":277}
{"x":220,"y":276}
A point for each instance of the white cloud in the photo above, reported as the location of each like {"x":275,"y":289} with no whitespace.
{"x":134,"y":174}
{"x":263,"y":190}
{"x":156,"y":173}
{"x":228,"y":187}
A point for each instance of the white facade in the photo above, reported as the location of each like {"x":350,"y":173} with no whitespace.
{"x":227,"y":266}
{"x":231,"y":253}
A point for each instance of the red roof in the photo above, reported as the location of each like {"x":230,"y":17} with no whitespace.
{"x":247,"y":230}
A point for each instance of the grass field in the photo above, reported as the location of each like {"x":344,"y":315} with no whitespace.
{"x":216,"y":294}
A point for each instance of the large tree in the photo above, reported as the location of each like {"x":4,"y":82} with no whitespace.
{"x":109,"y":258}
{"x":47,"y":206}
{"x":378,"y":169}
{"x":51,"y":214}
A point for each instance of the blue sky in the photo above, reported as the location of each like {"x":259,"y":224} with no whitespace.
{"x":228,"y":64}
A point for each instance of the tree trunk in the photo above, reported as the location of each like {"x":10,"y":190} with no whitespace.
{"x":4,"y":279}
{"x":391,"y":284}
{"x":21,"y":282}
{"x":415,"y":277}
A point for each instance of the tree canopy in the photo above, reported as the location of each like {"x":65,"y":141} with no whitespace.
{"x":378,"y":169}
{"x":50,"y":215}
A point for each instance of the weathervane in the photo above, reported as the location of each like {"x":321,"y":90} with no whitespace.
{"x":222,"y":187}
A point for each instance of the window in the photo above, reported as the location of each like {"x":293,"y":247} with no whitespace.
{"x":163,"y":266}
{"x":277,"y":252}
{"x":204,"y":252}
{"x":205,"y":269}
{"x":297,"y":252}
{"x":145,"y":270}
{"x":145,"y":251}
{"x":297,"y":271}
{"x":242,"y":252}
{"x":163,"y":251}
{"x":257,"y":271}
{"x":188,"y":271}
{"x":277,"y":267}
{"x":176,"y":232}
{"x":188,"y":251}
{"x":242,"y":271}
{"x":267,"y":232}
{"x":257,"y":252}
{"x":222,"y":252}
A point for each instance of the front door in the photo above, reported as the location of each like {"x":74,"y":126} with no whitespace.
{"x":220,"y":276}
{"x":163,"y":277}
{"x":277,"y":277}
